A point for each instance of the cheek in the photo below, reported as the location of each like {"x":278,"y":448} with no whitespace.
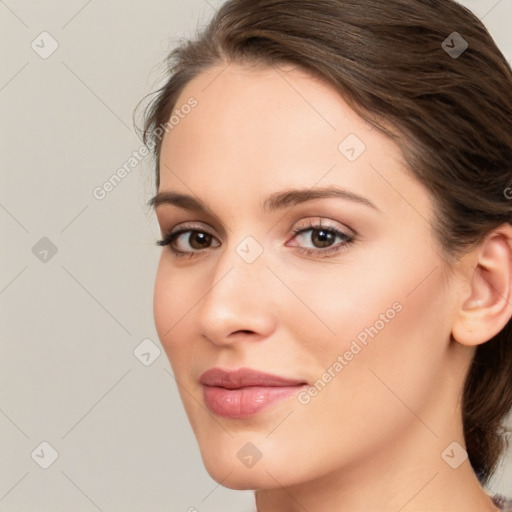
{"x":390,"y":326}
{"x":163,"y":303}
{"x":365,"y":403}
{"x":392,"y":290}
{"x":172,"y":304}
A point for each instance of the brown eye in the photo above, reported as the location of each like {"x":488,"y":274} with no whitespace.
{"x":322,"y":237}
{"x":187,"y":242}
{"x":199,"y":239}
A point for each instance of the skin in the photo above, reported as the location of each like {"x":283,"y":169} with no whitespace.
{"x":372,"y":439}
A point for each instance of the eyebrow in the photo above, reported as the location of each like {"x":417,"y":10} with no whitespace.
{"x":276,"y":201}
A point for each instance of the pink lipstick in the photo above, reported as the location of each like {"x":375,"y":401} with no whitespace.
{"x":244,"y":392}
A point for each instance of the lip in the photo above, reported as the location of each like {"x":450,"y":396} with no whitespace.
{"x":244,"y":392}
{"x":244,"y":377}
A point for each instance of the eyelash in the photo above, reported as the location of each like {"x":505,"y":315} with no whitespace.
{"x":347,"y":240}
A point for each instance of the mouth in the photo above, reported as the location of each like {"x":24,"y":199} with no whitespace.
{"x":244,"y":392}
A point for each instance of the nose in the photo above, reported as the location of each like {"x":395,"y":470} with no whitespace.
{"x":239,"y":301}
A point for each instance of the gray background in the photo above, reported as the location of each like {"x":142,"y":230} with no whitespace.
{"x":72,"y":320}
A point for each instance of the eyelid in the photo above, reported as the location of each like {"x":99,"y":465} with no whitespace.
{"x":310,"y":222}
{"x":170,"y":217}
{"x":317,"y":222}
{"x":189,"y":226}
{"x":192,"y":226}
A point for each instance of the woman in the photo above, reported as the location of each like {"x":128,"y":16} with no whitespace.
{"x":334,"y":294}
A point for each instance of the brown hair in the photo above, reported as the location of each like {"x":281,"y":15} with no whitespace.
{"x":450,"y":114}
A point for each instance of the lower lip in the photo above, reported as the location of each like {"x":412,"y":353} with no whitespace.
{"x":245,"y":402}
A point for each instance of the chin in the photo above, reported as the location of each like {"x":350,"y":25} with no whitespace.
{"x":235,"y":476}
{"x":229,"y":470}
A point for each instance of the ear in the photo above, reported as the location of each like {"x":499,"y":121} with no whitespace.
{"x":486,"y":300}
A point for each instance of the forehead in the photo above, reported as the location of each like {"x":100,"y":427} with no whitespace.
{"x":275,"y":106}
{"x":259,"y":129}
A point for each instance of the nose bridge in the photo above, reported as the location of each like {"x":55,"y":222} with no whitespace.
{"x":238,"y":297}
{"x":242,"y":264}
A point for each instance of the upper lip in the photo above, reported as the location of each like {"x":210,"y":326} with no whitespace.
{"x":244,"y":377}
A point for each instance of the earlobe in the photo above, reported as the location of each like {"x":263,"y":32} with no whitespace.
{"x":487,"y":305}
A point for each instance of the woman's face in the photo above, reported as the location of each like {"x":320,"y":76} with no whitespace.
{"x":354,"y":314}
